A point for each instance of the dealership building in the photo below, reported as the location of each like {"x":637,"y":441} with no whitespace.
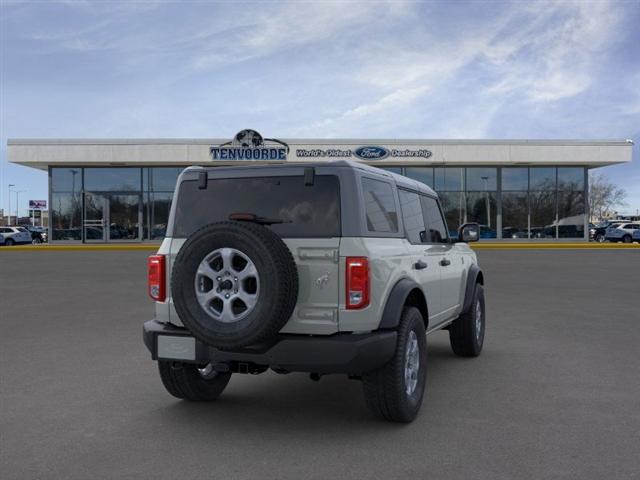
{"x":120,"y":190}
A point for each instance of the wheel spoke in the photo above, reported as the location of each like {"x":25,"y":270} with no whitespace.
{"x":227,"y":258}
{"x":205,"y":270}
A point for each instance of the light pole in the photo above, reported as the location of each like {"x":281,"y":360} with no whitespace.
{"x":18,"y":192}
{"x":9,"y":214}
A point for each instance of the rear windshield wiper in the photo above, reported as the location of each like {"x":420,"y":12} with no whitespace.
{"x":252,"y":217}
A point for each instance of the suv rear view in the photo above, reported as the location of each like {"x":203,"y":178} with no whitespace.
{"x":318,"y":268}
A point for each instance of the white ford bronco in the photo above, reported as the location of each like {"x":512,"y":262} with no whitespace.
{"x":322,"y":268}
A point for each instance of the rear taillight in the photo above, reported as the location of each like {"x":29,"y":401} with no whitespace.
{"x":357,"y":281}
{"x":156,"y":277}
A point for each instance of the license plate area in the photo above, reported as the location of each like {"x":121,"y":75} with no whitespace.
{"x":171,"y":347}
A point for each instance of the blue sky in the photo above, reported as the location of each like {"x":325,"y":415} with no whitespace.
{"x":322,"y":69}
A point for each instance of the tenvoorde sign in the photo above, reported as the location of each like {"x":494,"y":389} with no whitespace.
{"x":249,"y":145}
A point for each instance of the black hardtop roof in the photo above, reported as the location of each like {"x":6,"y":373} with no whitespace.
{"x":400,"y":180}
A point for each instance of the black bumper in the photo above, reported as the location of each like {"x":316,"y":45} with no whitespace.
{"x":340,"y":353}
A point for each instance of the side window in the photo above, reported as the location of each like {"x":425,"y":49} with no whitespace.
{"x":380,"y":206}
{"x":412,"y":216}
{"x":437,"y":231}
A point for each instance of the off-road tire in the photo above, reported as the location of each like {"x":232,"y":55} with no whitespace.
{"x":183,"y":380}
{"x":278,"y":289}
{"x":384,"y":389}
{"x":465,"y":342}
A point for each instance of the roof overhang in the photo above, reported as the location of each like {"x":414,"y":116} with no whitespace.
{"x":43,"y":153}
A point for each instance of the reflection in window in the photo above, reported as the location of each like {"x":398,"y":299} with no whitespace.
{"x":571,"y":212}
{"x":163,"y":179}
{"x":543,"y":214}
{"x":66,"y":216}
{"x":379,"y":206}
{"x":453,"y":206}
{"x":571,"y":178}
{"x":421,"y":174}
{"x":412,"y":216}
{"x":515,"y":179}
{"x":66,"y":179}
{"x":159,"y":208}
{"x":451,"y":179}
{"x":482,"y":208}
{"x":433,"y":219}
{"x":515,"y":215}
{"x":542,"y":178}
{"x":112,"y":179}
{"x":482,"y":179}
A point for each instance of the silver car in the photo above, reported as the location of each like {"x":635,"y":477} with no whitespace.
{"x":15,"y":235}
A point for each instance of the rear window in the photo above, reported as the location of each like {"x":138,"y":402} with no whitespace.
{"x":306,"y":210}
{"x":380,"y":206}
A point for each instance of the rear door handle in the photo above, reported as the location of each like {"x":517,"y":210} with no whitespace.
{"x":444,"y":262}
{"x":419,"y":265}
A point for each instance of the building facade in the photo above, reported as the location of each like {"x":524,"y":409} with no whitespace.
{"x":121,"y":190}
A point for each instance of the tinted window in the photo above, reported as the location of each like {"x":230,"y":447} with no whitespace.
{"x":421,"y":174}
{"x":380,"y":206}
{"x":163,"y":179}
{"x":451,"y":179}
{"x":306,"y":211}
{"x":482,"y":179}
{"x":116,"y":179}
{"x":436,"y":230}
{"x":412,"y":216}
{"x":515,"y":178}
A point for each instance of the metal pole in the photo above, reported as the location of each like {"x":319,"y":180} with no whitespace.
{"x":18,"y":192}
{"x":9,"y":214}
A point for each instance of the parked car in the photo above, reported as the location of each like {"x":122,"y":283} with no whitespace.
{"x":599,"y":231}
{"x":38,"y":234}
{"x":1,"y":239}
{"x":323,"y":268}
{"x":623,"y":232}
{"x":636,"y":235}
{"x":15,"y":235}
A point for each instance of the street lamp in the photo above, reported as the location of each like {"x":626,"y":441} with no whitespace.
{"x":9,"y":213}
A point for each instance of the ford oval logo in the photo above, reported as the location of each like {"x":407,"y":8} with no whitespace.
{"x":371,"y":153}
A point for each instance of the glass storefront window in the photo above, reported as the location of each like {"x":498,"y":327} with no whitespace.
{"x":482,"y":208}
{"x":571,"y":211}
{"x":449,"y":179}
{"x":66,"y":216}
{"x":66,"y":179}
{"x":542,"y":178}
{"x":421,"y":174}
{"x":453,"y":207}
{"x":542,"y":214}
{"x":515,"y":215}
{"x":571,"y":178}
{"x":112,"y":179}
{"x":515,"y":179}
{"x":159,"y":208}
{"x":482,"y":179}
{"x":163,"y":179}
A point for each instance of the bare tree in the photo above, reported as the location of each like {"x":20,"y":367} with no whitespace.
{"x":604,"y":196}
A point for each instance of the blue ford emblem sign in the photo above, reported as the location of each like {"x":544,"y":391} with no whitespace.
{"x":250,"y":145}
{"x":371,"y":152}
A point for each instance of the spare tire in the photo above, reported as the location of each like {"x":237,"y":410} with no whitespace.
{"x":234,"y":284}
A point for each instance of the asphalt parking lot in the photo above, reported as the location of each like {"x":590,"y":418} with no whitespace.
{"x":555,"y":394}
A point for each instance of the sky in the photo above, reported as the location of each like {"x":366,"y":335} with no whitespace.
{"x":374,"y":69}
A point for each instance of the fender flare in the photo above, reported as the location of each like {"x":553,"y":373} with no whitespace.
{"x":396,"y":302}
{"x":473,"y":276}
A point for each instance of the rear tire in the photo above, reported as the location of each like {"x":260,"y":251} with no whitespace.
{"x":186,"y":381}
{"x":626,"y":239}
{"x":466,"y":333}
{"x":387,"y":391}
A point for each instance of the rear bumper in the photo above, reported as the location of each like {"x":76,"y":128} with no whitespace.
{"x":341,"y":353}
